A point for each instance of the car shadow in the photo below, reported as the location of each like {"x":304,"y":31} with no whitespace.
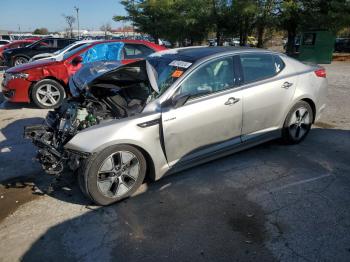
{"x":16,"y":153}
{"x":12,"y":106}
{"x":65,"y":188}
{"x":201,"y":214}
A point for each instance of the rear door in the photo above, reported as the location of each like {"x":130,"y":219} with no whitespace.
{"x":210,"y":120}
{"x":267,"y":93}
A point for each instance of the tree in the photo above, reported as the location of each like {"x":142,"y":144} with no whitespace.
{"x":297,"y":15}
{"x":106,"y":28}
{"x":265,"y":18}
{"x":174,"y":20}
{"x":70,"y":20}
{"x":41,"y":31}
{"x":221,"y":16}
{"x":244,"y":14}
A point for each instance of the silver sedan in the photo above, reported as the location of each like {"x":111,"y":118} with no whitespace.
{"x":204,"y":103}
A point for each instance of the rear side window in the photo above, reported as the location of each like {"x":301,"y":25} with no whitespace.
{"x":47,"y":43}
{"x":136,"y":51}
{"x":260,"y":66}
{"x":61,"y":43}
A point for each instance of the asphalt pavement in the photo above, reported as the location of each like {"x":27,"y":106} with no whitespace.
{"x":269,"y":203}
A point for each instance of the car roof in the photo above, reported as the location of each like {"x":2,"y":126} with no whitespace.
{"x":196,"y":53}
{"x":57,"y":38}
{"x":130,"y":41}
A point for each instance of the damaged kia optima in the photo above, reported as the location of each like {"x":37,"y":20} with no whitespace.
{"x":176,"y":109}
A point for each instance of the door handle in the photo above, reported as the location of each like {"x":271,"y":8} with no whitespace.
{"x":231,"y":101}
{"x":287,"y":85}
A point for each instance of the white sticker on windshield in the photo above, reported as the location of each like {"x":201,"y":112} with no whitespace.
{"x":181,"y":64}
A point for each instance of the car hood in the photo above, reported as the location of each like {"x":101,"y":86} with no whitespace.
{"x":104,"y":70}
{"x":91,"y":71}
{"x":31,"y":65}
{"x":15,"y":50}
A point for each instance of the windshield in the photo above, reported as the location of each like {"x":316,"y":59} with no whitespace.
{"x":74,"y":51}
{"x":167,"y":69}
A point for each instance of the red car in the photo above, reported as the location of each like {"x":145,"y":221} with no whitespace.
{"x":15,"y":44}
{"x":46,"y":82}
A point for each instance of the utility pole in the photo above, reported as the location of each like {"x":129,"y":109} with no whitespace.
{"x":19,"y":30}
{"x":77,"y":10}
{"x":133,"y":25}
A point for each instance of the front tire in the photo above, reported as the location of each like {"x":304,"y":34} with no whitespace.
{"x":113,"y":174}
{"x":48,"y":94}
{"x":298,"y":123}
{"x":19,"y":60}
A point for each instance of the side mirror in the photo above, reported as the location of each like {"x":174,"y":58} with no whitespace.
{"x":180,"y":99}
{"x":77,"y":60}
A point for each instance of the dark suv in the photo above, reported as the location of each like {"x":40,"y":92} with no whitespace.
{"x":13,"y":57}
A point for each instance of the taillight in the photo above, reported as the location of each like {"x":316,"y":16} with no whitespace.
{"x":321,"y":72}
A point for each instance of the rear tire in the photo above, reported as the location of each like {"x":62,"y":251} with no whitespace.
{"x":48,"y":94}
{"x":298,"y":123}
{"x":113,"y":174}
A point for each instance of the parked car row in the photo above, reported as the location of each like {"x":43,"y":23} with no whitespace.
{"x":45,"y":80}
{"x":13,"y":45}
{"x":18,"y":56}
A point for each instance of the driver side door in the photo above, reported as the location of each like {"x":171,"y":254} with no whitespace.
{"x":210,"y":120}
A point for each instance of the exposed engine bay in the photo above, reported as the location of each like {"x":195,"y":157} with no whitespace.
{"x":106,"y":98}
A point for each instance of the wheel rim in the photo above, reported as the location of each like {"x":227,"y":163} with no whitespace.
{"x":48,"y":95}
{"x":20,"y":61}
{"x":118,"y":174}
{"x":299,"y":123}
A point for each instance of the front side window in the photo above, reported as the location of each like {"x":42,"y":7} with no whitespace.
{"x":260,"y":66}
{"x":211,"y":77}
{"x":47,"y":43}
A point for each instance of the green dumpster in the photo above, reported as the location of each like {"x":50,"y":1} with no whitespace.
{"x":317,"y":47}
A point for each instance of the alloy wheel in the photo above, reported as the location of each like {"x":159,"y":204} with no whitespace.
{"x":299,"y":123}
{"x":20,"y":61}
{"x":118,"y":174}
{"x":48,"y":95}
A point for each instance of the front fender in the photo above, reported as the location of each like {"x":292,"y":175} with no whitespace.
{"x":124,"y":131}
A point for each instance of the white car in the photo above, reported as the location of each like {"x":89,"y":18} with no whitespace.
{"x":58,"y":55}
{"x":4,"y":42}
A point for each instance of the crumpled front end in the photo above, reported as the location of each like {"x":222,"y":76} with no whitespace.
{"x":61,"y":126}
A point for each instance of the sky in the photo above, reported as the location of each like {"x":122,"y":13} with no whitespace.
{"x":32,"y":14}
